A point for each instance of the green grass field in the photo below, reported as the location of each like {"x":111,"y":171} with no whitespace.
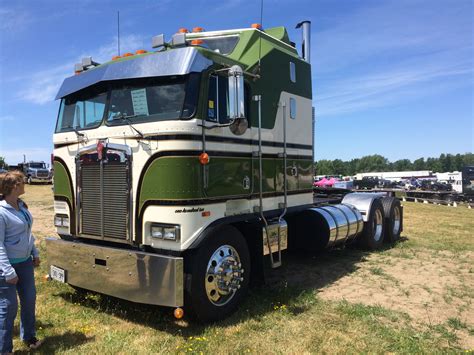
{"x":416,"y":297}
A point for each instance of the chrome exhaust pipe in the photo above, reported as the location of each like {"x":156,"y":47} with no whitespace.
{"x":306,"y":45}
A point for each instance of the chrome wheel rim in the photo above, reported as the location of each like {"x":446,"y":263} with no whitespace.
{"x":224,"y":275}
{"x":378,"y":225}
{"x":396,"y":221}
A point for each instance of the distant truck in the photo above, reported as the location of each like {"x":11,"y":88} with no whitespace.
{"x":36,"y":171}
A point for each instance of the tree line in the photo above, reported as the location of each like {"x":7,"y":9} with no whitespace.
{"x":378,"y":163}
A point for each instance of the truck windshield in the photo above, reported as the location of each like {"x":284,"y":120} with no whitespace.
{"x":136,"y":100}
{"x":38,"y":165}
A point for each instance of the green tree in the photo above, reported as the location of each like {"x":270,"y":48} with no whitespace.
{"x":419,"y":164}
{"x":371,"y":163}
{"x":339,"y":167}
{"x":468,"y":159}
{"x":402,"y":165}
{"x":324,"y":167}
{"x":458,"y":162}
{"x":2,"y":163}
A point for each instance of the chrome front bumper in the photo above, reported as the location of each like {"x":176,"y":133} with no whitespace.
{"x":128,"y":274}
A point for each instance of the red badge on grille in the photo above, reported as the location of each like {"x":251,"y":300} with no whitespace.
{"x":100,"y":150}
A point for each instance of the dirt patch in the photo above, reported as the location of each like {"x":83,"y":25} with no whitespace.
{"x":426,"y":285}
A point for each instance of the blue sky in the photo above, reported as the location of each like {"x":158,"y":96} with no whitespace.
{"x":389,"y":77}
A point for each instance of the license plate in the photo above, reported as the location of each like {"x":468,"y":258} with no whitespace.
{"x":57,"y":274}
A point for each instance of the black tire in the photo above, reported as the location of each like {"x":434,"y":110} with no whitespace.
{"x":393,"y":219}
{"x":206,"y":299}
{"x":373,"y":233}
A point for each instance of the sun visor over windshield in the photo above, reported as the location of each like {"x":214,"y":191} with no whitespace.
{"x":179,"y":61}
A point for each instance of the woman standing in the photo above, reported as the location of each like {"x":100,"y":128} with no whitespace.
{"x":18,"y":256}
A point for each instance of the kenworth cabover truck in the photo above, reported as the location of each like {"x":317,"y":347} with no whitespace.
{"x":180,"y":172}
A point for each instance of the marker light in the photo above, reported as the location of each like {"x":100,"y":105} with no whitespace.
{"x":128,"y":54}
{"x":183,"y":30}
{"x":196,"y":42}
{"x":178,"y":313}
{"x":141,"y":51}
{"x":206,"y":213}
{"x":204,"y":158}
{"x":115,"y":57}
{"x":256,"y":26}
{"x":198,"y":29}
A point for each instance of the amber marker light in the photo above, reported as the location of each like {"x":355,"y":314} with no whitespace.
{"x":256,"y":26}
{"x":183,"y":30}
{"x":198,"y":29}
{"x":115,"y":57}
{"x":128,"y":54}
{"x":178,"y":313}
{"x":206,"y":213}
{"x":196,"y":42}
{"x":141,"y":51}
{"x":204,"y":158}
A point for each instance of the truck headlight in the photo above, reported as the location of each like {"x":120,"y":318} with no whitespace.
{"x":61,"y":220}
{"x":166,"y":232}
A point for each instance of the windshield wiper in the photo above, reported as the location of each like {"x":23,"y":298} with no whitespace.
{"x":78,"y":134}
{"x":127,"y":119}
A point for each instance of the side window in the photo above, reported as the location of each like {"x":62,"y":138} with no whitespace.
{"x":292,"y":72}
{"x":292,"y":108}
{"x":218,"y":98}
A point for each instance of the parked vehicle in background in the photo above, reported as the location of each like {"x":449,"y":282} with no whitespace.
{"x":36,"y":171}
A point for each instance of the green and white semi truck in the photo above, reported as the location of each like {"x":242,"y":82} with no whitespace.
{"x":182,"y":172}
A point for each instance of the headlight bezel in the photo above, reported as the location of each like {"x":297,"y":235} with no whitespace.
{"x":172,"y":230}
{"x":61,"y":220}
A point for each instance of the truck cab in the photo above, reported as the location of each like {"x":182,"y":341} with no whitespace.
{"x":36,"y":171}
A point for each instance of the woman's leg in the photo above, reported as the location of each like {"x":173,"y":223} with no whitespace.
{"x":8,"y":309}
{"x":27,"y":294}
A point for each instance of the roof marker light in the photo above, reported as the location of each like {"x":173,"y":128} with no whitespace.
{"x":128,"y":54}
{"x":183,"y":30}
{"x":198,"y":29}
{"x":140,"y":51}
{"x":196,"y":42}
{"x":115,"y":57}
{"x":257,"y":26}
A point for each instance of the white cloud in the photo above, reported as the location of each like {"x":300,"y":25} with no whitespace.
{"x":42,"y":86}
{"x":14,"y":20}
{"x":386,"y":88}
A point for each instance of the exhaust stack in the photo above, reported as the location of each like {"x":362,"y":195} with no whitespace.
{"x":306,"y":45}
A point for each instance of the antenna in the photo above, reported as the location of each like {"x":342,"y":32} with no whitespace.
{"x":260,"y":41}
{"x":118,"y":32}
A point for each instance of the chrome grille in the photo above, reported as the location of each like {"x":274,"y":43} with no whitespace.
{"x":42,"y":173}
{"x":104,"y":199}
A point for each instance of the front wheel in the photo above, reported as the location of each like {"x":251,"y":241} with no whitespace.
{"x":220,"y":273}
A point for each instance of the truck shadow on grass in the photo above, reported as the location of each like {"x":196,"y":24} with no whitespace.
{"x":293,"y":287}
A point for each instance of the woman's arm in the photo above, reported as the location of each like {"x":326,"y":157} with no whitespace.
{"x":5,"y":266}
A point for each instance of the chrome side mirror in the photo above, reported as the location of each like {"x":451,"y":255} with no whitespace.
{"x":236,"y":93}
{"x":237,"y":101}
